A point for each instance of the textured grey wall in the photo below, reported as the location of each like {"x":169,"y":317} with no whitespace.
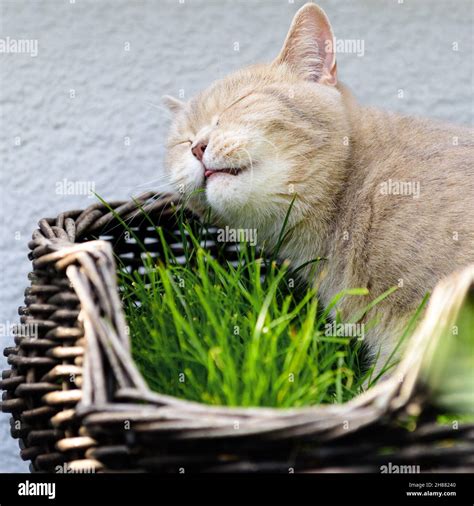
{"x":119,"y":57}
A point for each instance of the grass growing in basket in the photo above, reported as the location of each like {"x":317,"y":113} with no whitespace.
{"x":236,"y":334}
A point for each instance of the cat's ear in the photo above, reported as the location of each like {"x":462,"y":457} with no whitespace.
{"x":309,"y":46}
{"x":173,"y":104}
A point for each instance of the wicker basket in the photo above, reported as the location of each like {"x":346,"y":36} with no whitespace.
{"x":78,"y":400}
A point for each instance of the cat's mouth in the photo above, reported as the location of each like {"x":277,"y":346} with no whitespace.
{"x":231,"y":171}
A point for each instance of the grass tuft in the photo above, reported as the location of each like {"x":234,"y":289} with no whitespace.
{"x":236,"y":334}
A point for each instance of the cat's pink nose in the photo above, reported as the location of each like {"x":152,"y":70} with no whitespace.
{"x":198,"y":150}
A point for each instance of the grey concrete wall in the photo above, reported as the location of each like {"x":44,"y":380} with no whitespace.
{"x":119,"y":57}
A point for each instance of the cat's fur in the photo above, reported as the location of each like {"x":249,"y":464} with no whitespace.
{"x":296,"y":130}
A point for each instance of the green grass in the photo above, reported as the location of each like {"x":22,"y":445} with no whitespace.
{"x":236,"y":335}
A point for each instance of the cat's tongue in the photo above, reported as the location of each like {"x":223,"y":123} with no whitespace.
{"x":231,"y":171}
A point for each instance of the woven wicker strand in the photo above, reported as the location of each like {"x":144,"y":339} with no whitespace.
{"x":78,"y":400}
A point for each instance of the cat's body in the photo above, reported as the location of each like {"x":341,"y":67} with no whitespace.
{"x":404,"y":217}
{"x":387,"y":200}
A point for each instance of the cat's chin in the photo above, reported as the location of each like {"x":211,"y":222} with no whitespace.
{"x":227,"y":192}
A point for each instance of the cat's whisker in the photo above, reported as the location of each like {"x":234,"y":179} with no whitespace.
{"x":155,"y":195}
{"x":272,"y":144}
{"x":152,"y":184}
{"x":163,"y":181}
{"x":161,"y":108}
{"x":249,"y":156}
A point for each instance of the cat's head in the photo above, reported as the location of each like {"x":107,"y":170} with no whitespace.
{"x":246,"y":145}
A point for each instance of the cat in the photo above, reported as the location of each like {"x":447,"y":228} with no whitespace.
{"x":386,"y":200}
